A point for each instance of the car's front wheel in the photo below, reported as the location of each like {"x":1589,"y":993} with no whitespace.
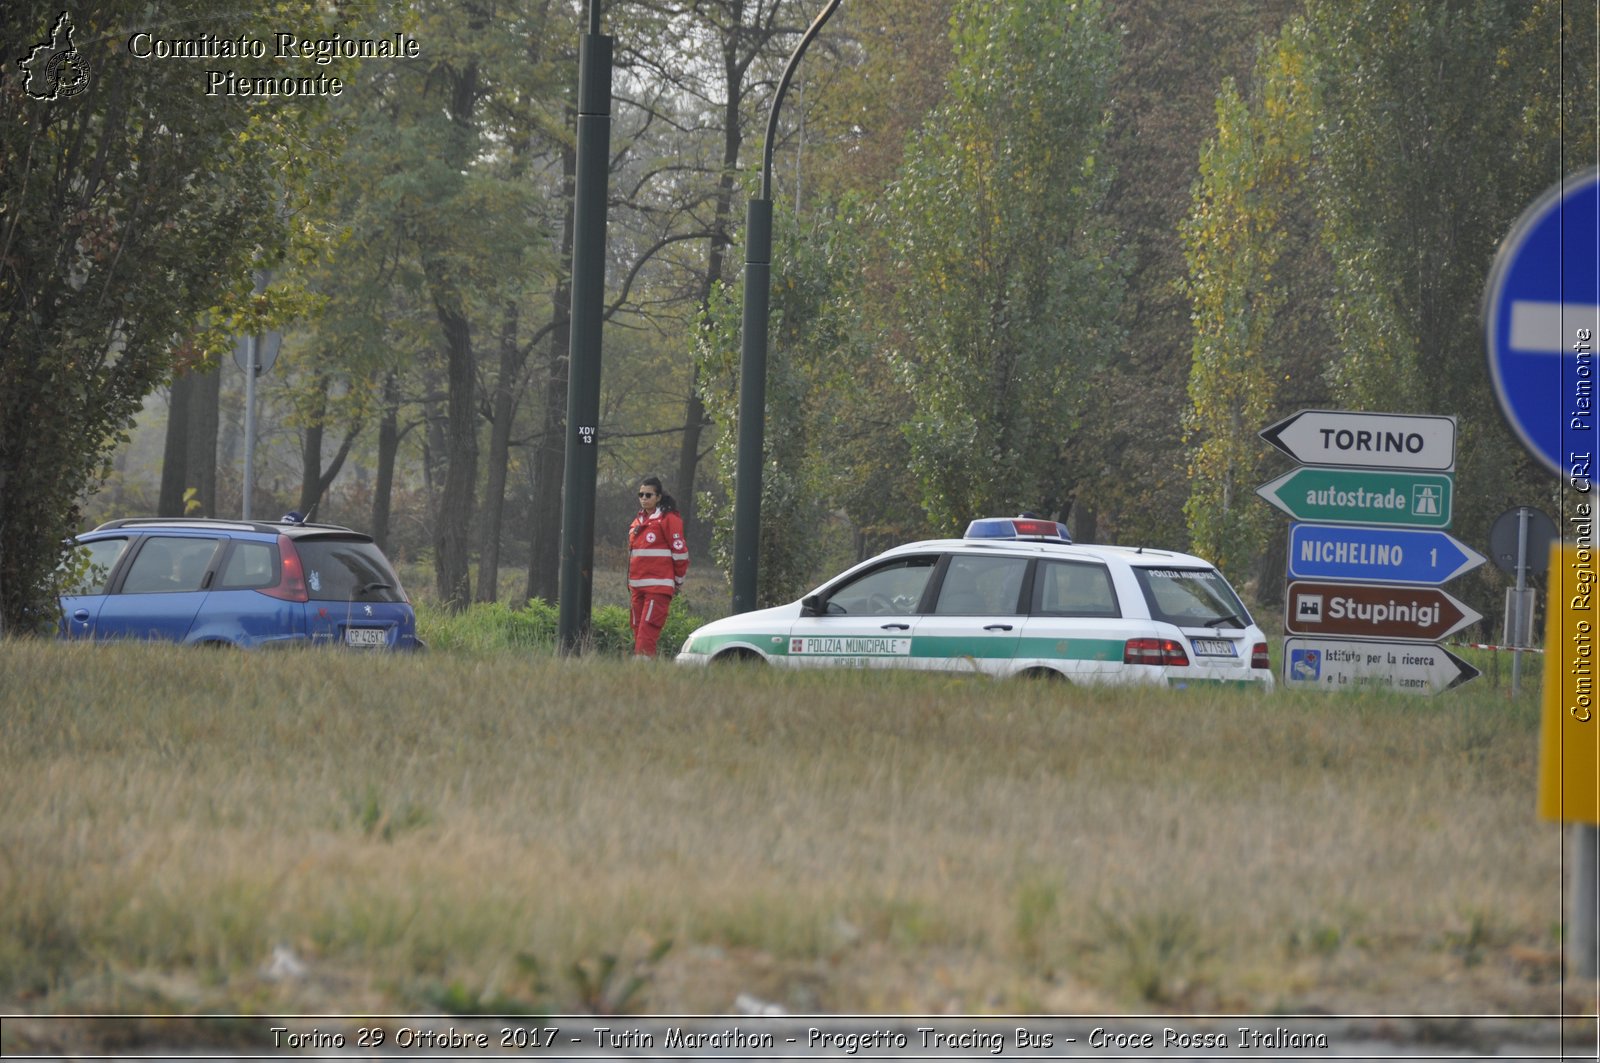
{"x":738,"y":655}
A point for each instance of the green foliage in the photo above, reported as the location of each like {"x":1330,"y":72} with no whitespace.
{"x":816,"y":439}
{"x":609,"y":984}
{"x":132,"y":214}
{"x":486,"y":628}
{"x":1427,"y":151}
{"x":1159,"y":955}
{"x":1234,"y":238}
{"x":1012,"y":281}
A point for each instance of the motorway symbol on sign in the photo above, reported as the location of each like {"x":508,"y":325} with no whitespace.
{"x":1541,"y":319}
{"x":1377,"y":555}
{"x":1356,"y":610}
{"x":1342,"y":664}
{"x":1363,"y":496}
{"x":1372,"y":440}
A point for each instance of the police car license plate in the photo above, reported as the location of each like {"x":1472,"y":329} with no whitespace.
{"x":1214,"y":648}
{"x":371,"y":636}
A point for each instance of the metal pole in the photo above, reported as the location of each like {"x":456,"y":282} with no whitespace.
{"x":1521,"y":638}
{"x":753,"y":350}
{"x":752,"y":403}
{"x":588,"y":299}
{"x":251,"y":360}
{"x":1581,"y":922}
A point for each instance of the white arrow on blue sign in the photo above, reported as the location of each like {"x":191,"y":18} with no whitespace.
{"x":1541,"y":320}
{"x":1377,"y":555}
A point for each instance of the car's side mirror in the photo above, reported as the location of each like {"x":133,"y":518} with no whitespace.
{"x":811,"y":605}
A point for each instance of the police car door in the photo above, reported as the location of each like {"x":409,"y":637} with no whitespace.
{"x":1075,"y":625}
{"x":867,"y":620}
{"x":974,"y":623}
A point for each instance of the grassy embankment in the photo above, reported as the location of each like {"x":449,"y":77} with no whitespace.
{"x":481,"y":831}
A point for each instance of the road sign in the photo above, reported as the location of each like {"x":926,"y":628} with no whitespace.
{"x":1569,"y":748}
{"x":1356,"y":610}
{"x":1342,"y":664}
{"x":1363,"y":496}
{"x":1370,"y":440}
{"x":267,"y":345}
{"x":1377,"y":555}
{"x":1541,"y":319}
{"x":1505,"y":531}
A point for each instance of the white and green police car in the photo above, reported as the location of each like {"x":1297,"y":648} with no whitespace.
{"x":1015,"y":596}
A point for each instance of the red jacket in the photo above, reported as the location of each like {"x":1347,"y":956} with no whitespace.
{"x":658,"y":557}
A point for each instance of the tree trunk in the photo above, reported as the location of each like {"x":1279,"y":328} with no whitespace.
{"x":694,"y":412}
{"x":175,"y":456}
{"x":453,"y":528}
{"x":205,"y":403}
{"x":452,"y":535}
{"x":388,"y":447}
{"x":504,"y":412}
{"x":549,"y":457}
{"x":311,"y":450}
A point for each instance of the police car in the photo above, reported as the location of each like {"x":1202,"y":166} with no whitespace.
{"x":1015,"y":596}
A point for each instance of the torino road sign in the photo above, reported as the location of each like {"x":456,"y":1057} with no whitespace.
{"x":1373,"y":440}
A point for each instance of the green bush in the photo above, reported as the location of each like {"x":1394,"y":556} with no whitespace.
{"x":494,"y":627}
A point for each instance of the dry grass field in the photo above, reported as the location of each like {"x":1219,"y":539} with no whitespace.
{"x":496,"y":834}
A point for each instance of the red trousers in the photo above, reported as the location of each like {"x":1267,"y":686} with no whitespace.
{"x":649,"y":613}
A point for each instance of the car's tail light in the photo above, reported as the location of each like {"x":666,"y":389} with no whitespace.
{"x":1259,"y":657}
{"x":1155,"y":651}
{"x":291,"y":585}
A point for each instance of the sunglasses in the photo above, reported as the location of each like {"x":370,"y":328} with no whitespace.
{"x":647,"y":494}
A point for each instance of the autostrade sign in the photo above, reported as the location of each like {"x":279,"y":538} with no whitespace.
{"x":1363,"y":496}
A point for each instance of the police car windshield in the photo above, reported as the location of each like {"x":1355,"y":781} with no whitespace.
{"x":1191,"y":597}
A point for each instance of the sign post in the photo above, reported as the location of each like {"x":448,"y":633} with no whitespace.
{"x":1541,"y":320}
{"x":1367,"y":558}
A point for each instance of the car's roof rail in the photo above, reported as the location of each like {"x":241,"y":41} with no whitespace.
{"x":219,"y":524}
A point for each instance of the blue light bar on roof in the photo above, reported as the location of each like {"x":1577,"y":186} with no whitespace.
{"x":1018,"y":528}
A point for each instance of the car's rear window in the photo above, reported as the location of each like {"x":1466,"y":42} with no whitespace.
{"x":1191,"y":597}
{"x":347,"y":570}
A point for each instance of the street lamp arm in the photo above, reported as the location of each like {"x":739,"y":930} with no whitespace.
{"x":783,"y":87}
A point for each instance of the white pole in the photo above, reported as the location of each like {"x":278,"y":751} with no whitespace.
{"x":1581,"y":921}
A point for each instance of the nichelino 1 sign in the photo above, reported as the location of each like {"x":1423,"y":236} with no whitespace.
{"x":1377,"y":555}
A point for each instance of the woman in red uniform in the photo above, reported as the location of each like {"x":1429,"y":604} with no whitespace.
{"x":658,"y":558}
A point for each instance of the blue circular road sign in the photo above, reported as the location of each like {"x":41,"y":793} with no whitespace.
{"x":1541,"y":321}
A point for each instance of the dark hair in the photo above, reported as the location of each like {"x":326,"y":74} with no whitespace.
{"x":667,"y":503}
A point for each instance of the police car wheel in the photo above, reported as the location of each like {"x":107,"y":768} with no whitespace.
{"x":738,"y":656}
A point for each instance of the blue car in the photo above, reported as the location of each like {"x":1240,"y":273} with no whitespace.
{"x":236,"y":583}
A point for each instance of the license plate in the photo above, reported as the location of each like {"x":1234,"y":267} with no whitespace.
{"x":1214,"y":648}
{"x":368,"y":636}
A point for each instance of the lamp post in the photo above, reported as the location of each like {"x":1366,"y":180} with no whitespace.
{"x":583,"y":365}
{"x":753,"y":350}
